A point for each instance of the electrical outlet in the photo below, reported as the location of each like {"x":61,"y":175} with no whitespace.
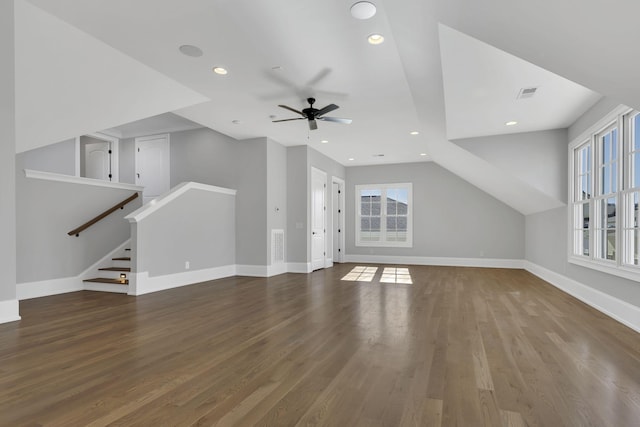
{"x":186,"y":265}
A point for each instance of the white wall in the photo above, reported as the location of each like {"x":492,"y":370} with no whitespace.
{"x":537,"y":158}
{"x":451,"y":218}
{"x":8,"y":305}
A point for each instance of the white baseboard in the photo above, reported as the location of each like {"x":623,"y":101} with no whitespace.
{"x":45,"y":288}
{"x":9,"y":311}
{"x":252,"y":270}
{"x":622,"y":311}
{"x":141,"y":283}
{"x":276,"y":269}
{"x":441,"y":261}
{"x":299,"y":267}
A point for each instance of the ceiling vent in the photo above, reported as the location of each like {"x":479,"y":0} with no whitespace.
{"x":527,"y":92}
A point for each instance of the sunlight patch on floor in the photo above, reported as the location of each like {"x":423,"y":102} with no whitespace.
{"x":396,"y":275}
{"x":361,"y":274}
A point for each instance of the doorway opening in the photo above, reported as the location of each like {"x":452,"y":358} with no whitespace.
{"x":97,"y":157}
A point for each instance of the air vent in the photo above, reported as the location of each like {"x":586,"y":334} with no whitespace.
{"x":277,"y":246}
{"x":527,"y":92}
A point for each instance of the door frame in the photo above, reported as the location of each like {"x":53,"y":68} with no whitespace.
{"x":341,"y":215}
{"x":145,"y":138}
{"x":324,"y":217}
{"x":115,"y":153}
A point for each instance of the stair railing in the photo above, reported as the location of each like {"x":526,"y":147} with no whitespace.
{"x":104,"y":214}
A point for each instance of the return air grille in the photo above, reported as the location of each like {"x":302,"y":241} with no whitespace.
{"x":277,"y":246}
{"x":527,"y":92}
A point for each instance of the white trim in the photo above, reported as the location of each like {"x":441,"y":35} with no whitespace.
{"x":252,"y":270}
{"x":276,"y":269}
{"x":383,"y":215}
{"x":9,"y":311}
{"x":608,"y":267}
{"x":342,"y":202}
{"x":106,"y":287}
{"x":299,"y":267}
{"x":115,"y":152}
{"x":45,"y":288}
{"x":145,"y":284}
{"x":622,"y":311}
{"x":146,"y":210}
{"x":49,"y":176}
{"x":599,"y":125}
{"x":77,"y":157}
{"x":328,"y":262}
{"x":438,"y":261}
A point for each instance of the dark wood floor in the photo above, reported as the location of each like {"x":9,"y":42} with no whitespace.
{"x":458,"y":347}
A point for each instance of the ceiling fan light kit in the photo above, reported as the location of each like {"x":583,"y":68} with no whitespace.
{"x":312,"y":114}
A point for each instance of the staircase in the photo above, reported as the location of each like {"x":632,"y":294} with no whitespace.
{"x":111,"y":279}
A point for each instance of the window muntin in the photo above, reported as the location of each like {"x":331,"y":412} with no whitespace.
{"x":383,"y":215}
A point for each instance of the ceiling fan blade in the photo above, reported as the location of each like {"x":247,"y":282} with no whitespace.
{"x":313,"y":125}
{"x":292,"y":109}
{"x":288,"y":120}
{"x":326,"y":109}
{"x":336,"y":120}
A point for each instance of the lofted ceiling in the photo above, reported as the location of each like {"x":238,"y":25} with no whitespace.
{"x":438,"y":56}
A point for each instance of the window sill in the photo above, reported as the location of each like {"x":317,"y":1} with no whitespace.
{"x":629,"y":273}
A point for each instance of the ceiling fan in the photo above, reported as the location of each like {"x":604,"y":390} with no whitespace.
{"x":312,"y":114}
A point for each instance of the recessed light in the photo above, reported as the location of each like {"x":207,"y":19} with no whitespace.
{"x":351,"y":159}
{"x":220,"y":70}
{"x":511,"y":123}
{"x":276,"y":68}
{"x":375,"y":39}
{"x":378,"y":155}
{"x":415,"y":132}
{"x":236,"y":122}
{"x":423,"y":154}
{"x":363,"y":10}
{"x":190,"y":50}
{"x":324,"y":141}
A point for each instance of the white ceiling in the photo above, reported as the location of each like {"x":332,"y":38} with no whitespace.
{"x":388,"y":90}
{"x":162,"y":123}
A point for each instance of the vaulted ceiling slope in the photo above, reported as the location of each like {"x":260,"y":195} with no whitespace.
{"x":281,"y":51}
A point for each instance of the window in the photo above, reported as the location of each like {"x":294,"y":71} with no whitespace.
{"x":383,"y":215}
{"x":605,"y":192}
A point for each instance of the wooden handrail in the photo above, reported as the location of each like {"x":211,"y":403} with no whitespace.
{"x":88,"y":224}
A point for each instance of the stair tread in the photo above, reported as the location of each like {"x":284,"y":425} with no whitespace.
{"x":127,"y":249}
{"x":115,"y":269}
{"x":105,"y":280}
{"x":122,"y":258}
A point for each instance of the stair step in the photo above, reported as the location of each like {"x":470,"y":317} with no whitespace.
{"x":105,"y":280}
{"x":125,"y":269}
{"x":122,"y":258}
{"x":127,"y":249}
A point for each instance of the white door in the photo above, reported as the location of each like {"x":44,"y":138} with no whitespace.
{"x":152,"y":165}
{"x":318,"y":218}
{"x":337,"y":194}
{"x":97,"y":159}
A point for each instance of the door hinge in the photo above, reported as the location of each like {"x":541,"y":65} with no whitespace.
{"x":339,"y":250}
{"x":109,"y":151}
{"x":338,"y":230}
{"x":138,"y":149}
{"x":339,"y":211}
{"x":324,"y":253}
{"x":339,"y":191}
{"x":110,"y":176}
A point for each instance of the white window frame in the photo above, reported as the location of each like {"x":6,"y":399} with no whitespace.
{"x":619,"y":266}
{"x":383,"y":215}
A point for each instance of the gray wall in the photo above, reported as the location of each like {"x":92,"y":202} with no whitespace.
{"x":7,"y":155}
{"x":297,"y":206}
{"x":126,"y":160}
{"x":537,"y":158}
{"x":251,"y":202}
{"x":47,"y":210}
{"x":57,"y":158}
{"x":205,"y":156}
{"x":547,"y":232}
{"x":451,"y":218}
{"x":547,"y":239}
{"x":276,"y":191}
{"x":197,"y":227}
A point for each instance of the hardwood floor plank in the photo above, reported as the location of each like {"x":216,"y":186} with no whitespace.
{"x":459,"y":346}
